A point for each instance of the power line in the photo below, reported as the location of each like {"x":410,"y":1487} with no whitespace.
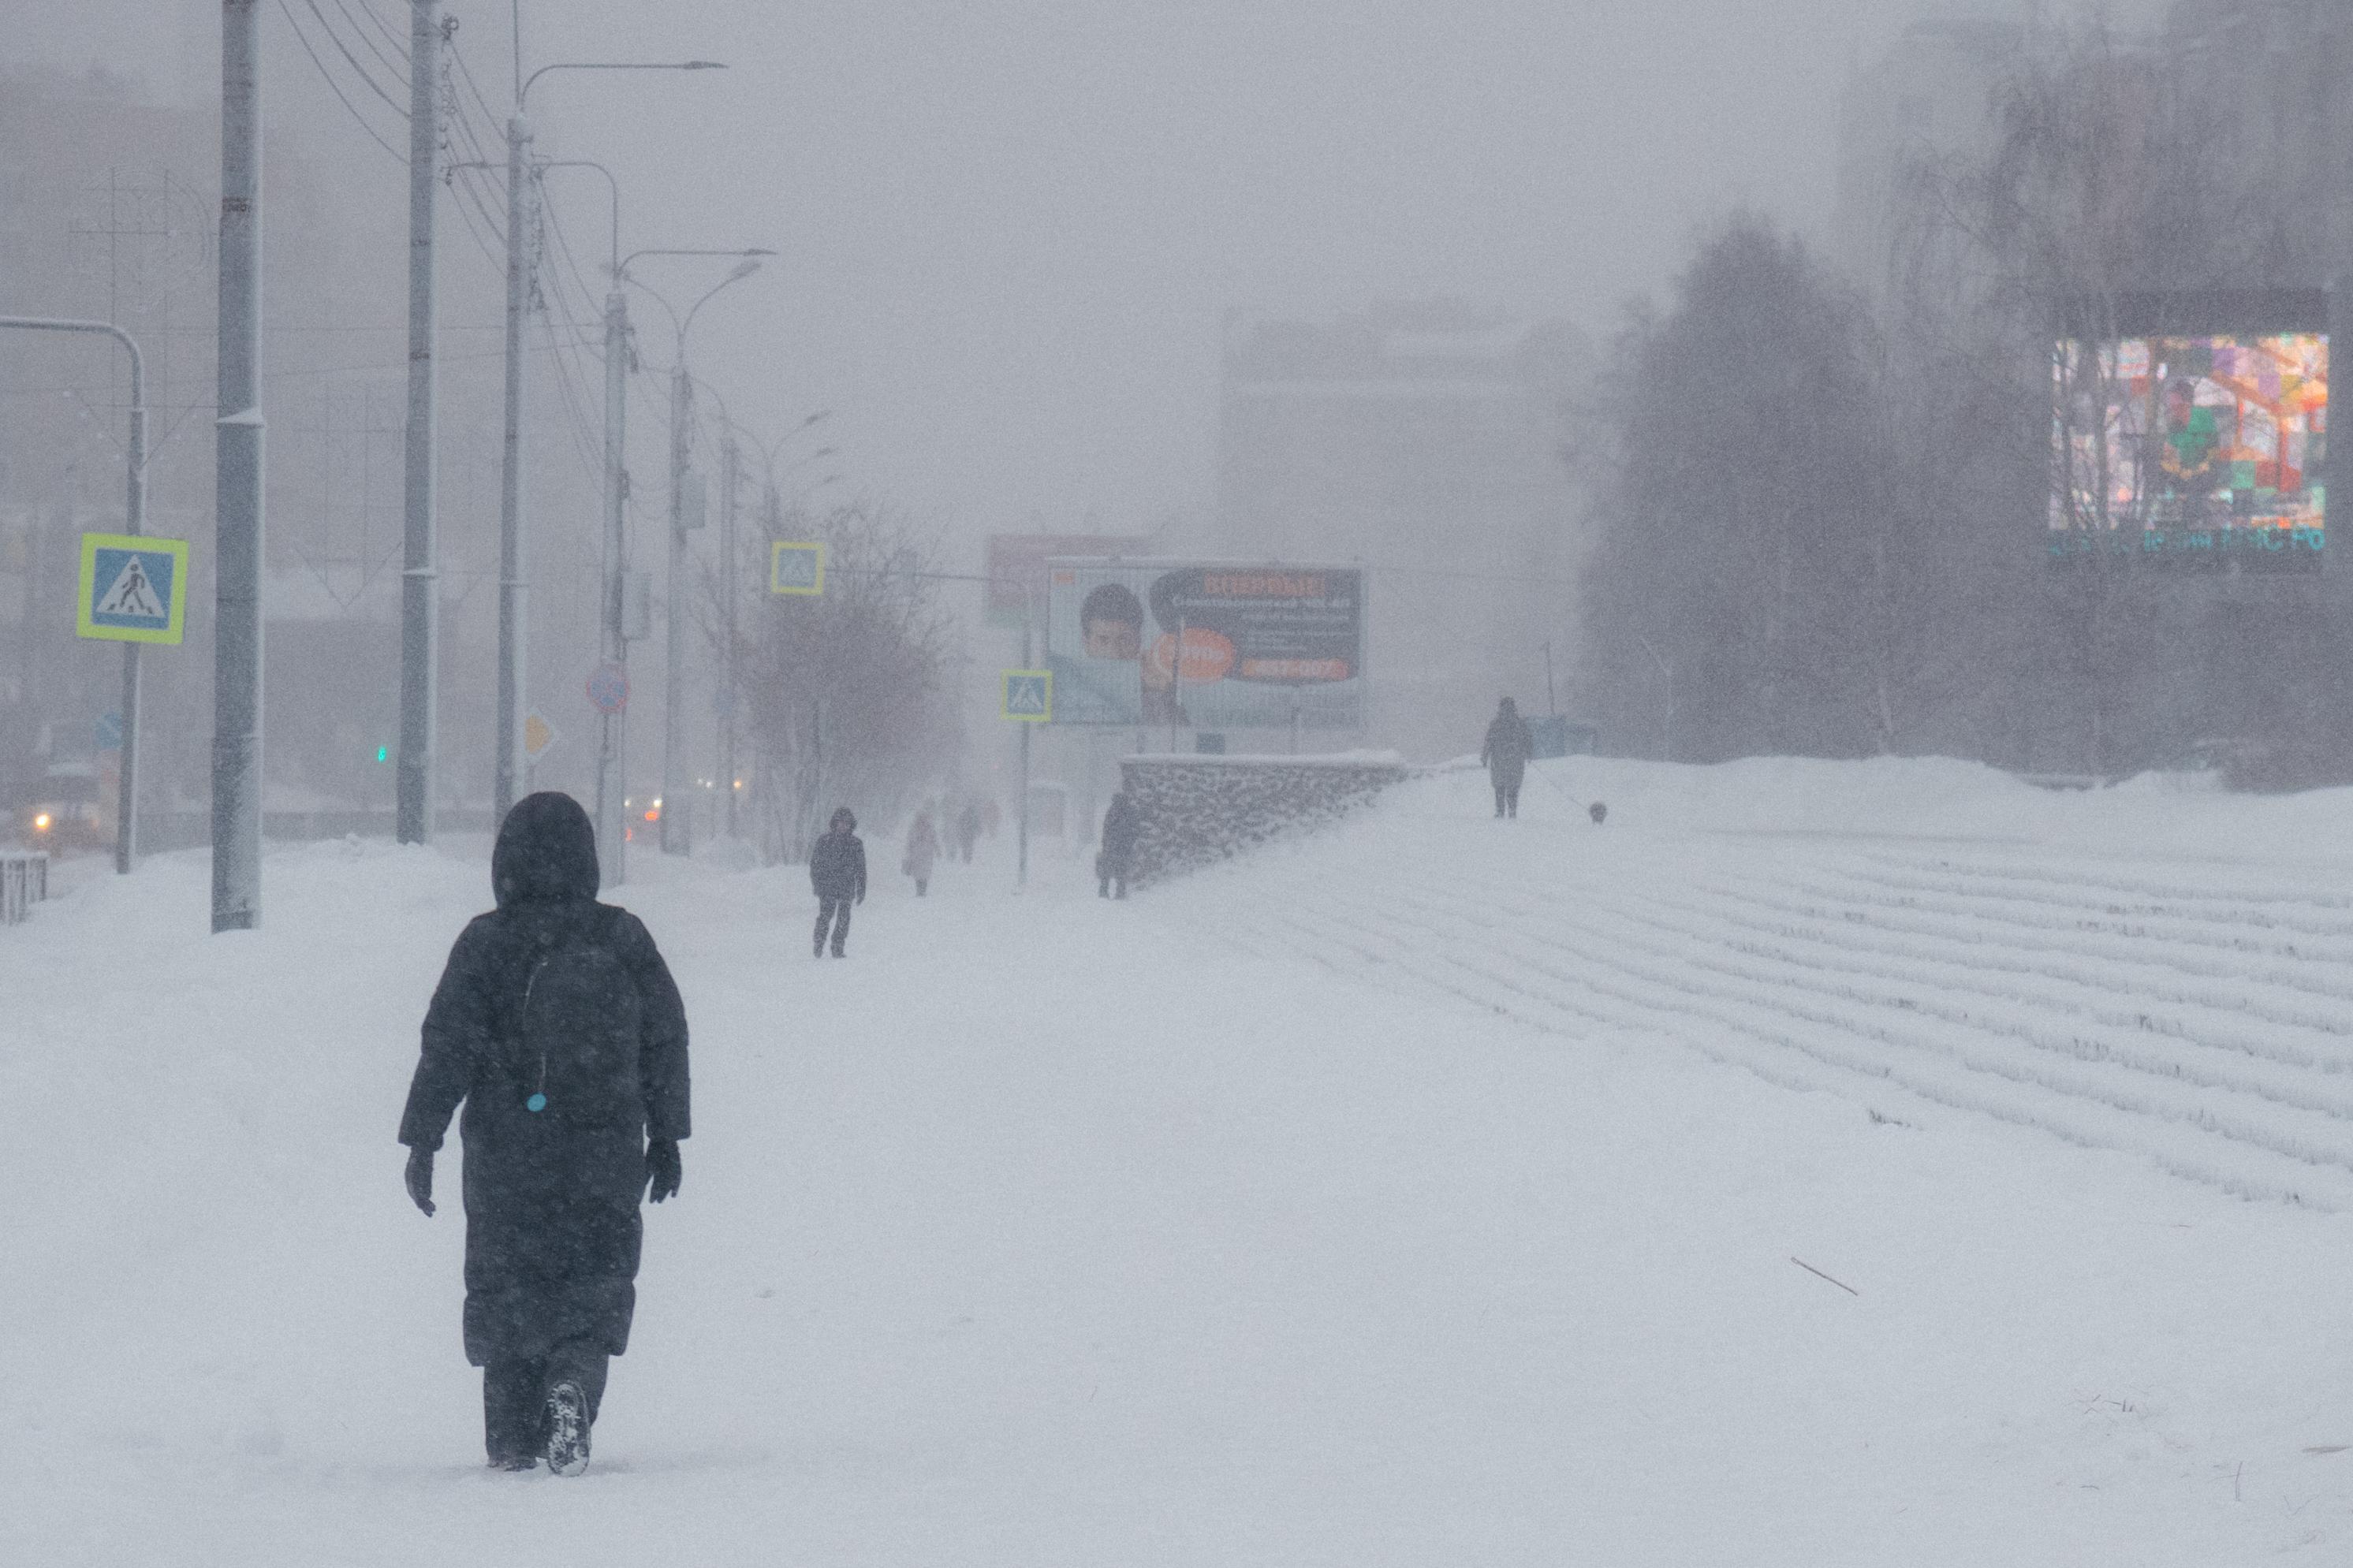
{"x":397,"y":68}
{"x":565,"y":245}
{"x":207,"y":378}
{"x":471,"y":85}
{"x":494,"y":247}
{"x":336,"y":88}
{"x":392,"y":34}
{"x":353,"y":61}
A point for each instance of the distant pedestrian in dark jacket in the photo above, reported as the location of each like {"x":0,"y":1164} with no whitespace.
{"x":1121,"y":826}
{"x":558,"y":1026}
{"x":967,"y":829}
{"x":838,"y":876}
{"x":1509,"y":746}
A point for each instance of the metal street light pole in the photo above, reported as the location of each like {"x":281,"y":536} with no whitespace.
{"x":513,"y":589}
{"x":135,"y":515}
{"x":730,"y":687}
{"x":237,"y":430}
{"x":676,"y":837}
{"x":612,"y":741}
{"x":613,"y":647}
{"x":730,"y":592}
{"x":420,"y":631}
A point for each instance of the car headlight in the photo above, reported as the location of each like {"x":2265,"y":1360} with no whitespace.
{"x":41,"y":823}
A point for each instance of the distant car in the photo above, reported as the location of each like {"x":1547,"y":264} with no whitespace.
{"x":67,"y":810}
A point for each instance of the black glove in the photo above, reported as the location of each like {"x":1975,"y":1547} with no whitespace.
{"x":662,"y":1165}
{"x":420,"y":1179}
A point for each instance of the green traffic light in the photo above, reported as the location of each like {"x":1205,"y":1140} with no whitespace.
{"x":384,"y":754}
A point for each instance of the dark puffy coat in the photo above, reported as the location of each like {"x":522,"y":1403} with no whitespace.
{"x":1121,"y":825}
{"x":555,"y":994}
{"x":1510,"y":744}
{"x":837,"y":866}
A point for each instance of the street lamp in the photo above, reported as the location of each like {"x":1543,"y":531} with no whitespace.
{"x":513,"y":589}
{"x":613,"y":647}
{"x":732,"y":591}
{"x":675,"y":835}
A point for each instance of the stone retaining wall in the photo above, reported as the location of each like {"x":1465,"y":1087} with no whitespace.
{"x":1198,"y":810}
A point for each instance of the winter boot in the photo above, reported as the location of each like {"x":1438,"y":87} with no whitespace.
{"x":567,"y":1428}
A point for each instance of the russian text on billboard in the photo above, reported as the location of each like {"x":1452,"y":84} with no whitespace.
{"x":1205,"y":646}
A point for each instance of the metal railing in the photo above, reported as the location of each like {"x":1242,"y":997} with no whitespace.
{"x":24,"y":882}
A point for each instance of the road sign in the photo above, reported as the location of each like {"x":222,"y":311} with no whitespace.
{"x":796,"y":569}
{"x":110,"y":731}
{"x":1030,"y":696}
{"x":538,"y":734}
{"x":608,"y":688}
{"x":134,"y":589}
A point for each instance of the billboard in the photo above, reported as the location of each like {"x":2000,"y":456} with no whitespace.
{"x":1016,"y":567}
{"x":1206,"y":645}
{"x":2201,"y":448}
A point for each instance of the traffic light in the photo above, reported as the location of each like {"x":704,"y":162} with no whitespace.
{"x":384,"y":754}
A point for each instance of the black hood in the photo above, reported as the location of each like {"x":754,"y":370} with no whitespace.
{"x":546,"y":852}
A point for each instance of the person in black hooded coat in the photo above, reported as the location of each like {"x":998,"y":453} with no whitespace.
{"x":1510,"y":744}
{"x":557,"y":1025}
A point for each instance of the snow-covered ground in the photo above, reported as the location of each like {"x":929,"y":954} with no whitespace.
{"x":1423,"y":1192}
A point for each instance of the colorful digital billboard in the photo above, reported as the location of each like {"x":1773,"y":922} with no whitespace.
{"x":2191,"y":450}
{"x":1205,"y":646}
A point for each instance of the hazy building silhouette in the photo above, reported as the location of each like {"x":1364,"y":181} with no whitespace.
{"x":1425,"y":440}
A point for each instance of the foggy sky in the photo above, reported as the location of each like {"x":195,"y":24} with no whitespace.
{"x":1008,"y":230}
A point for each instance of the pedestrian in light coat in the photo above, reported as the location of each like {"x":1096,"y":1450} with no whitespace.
{"x":923,"y":850}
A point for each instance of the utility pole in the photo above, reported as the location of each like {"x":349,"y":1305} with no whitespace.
{"x":612,"y":766}
{"x":134,"y":522}
{"x":420,"y":572}
{"x":237,"y":496}
{"x":613,"y":648}
{"x":675,"y":835}
{"x":522,"y":238}
{"x":731,"y":592}
{"x":513,"y":592}
{"x":1029,"y":657}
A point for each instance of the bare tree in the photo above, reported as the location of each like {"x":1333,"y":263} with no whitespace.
{"x":1740,"y":462}
{"x":846,"y":692}
{"x":2111,"y":174}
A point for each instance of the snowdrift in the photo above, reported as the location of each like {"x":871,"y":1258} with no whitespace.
{"x":1427,"y":1189}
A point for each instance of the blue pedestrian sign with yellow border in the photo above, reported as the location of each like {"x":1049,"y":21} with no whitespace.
{"x":796,"y":569}
{"x":133,"y":588}
{"x":1030,"y":696}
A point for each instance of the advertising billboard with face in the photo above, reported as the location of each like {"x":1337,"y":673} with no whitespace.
{"x":2195,"y":449}
{"x":1205,"y":646}
{"x":1016,"y":567}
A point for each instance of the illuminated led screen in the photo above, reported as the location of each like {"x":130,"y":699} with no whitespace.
{"x":2192,"y":450}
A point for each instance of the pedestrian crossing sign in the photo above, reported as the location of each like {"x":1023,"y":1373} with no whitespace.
{"x":796,"y":568}
{"x":134,"y":589}
{"x":1030,"y":696}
